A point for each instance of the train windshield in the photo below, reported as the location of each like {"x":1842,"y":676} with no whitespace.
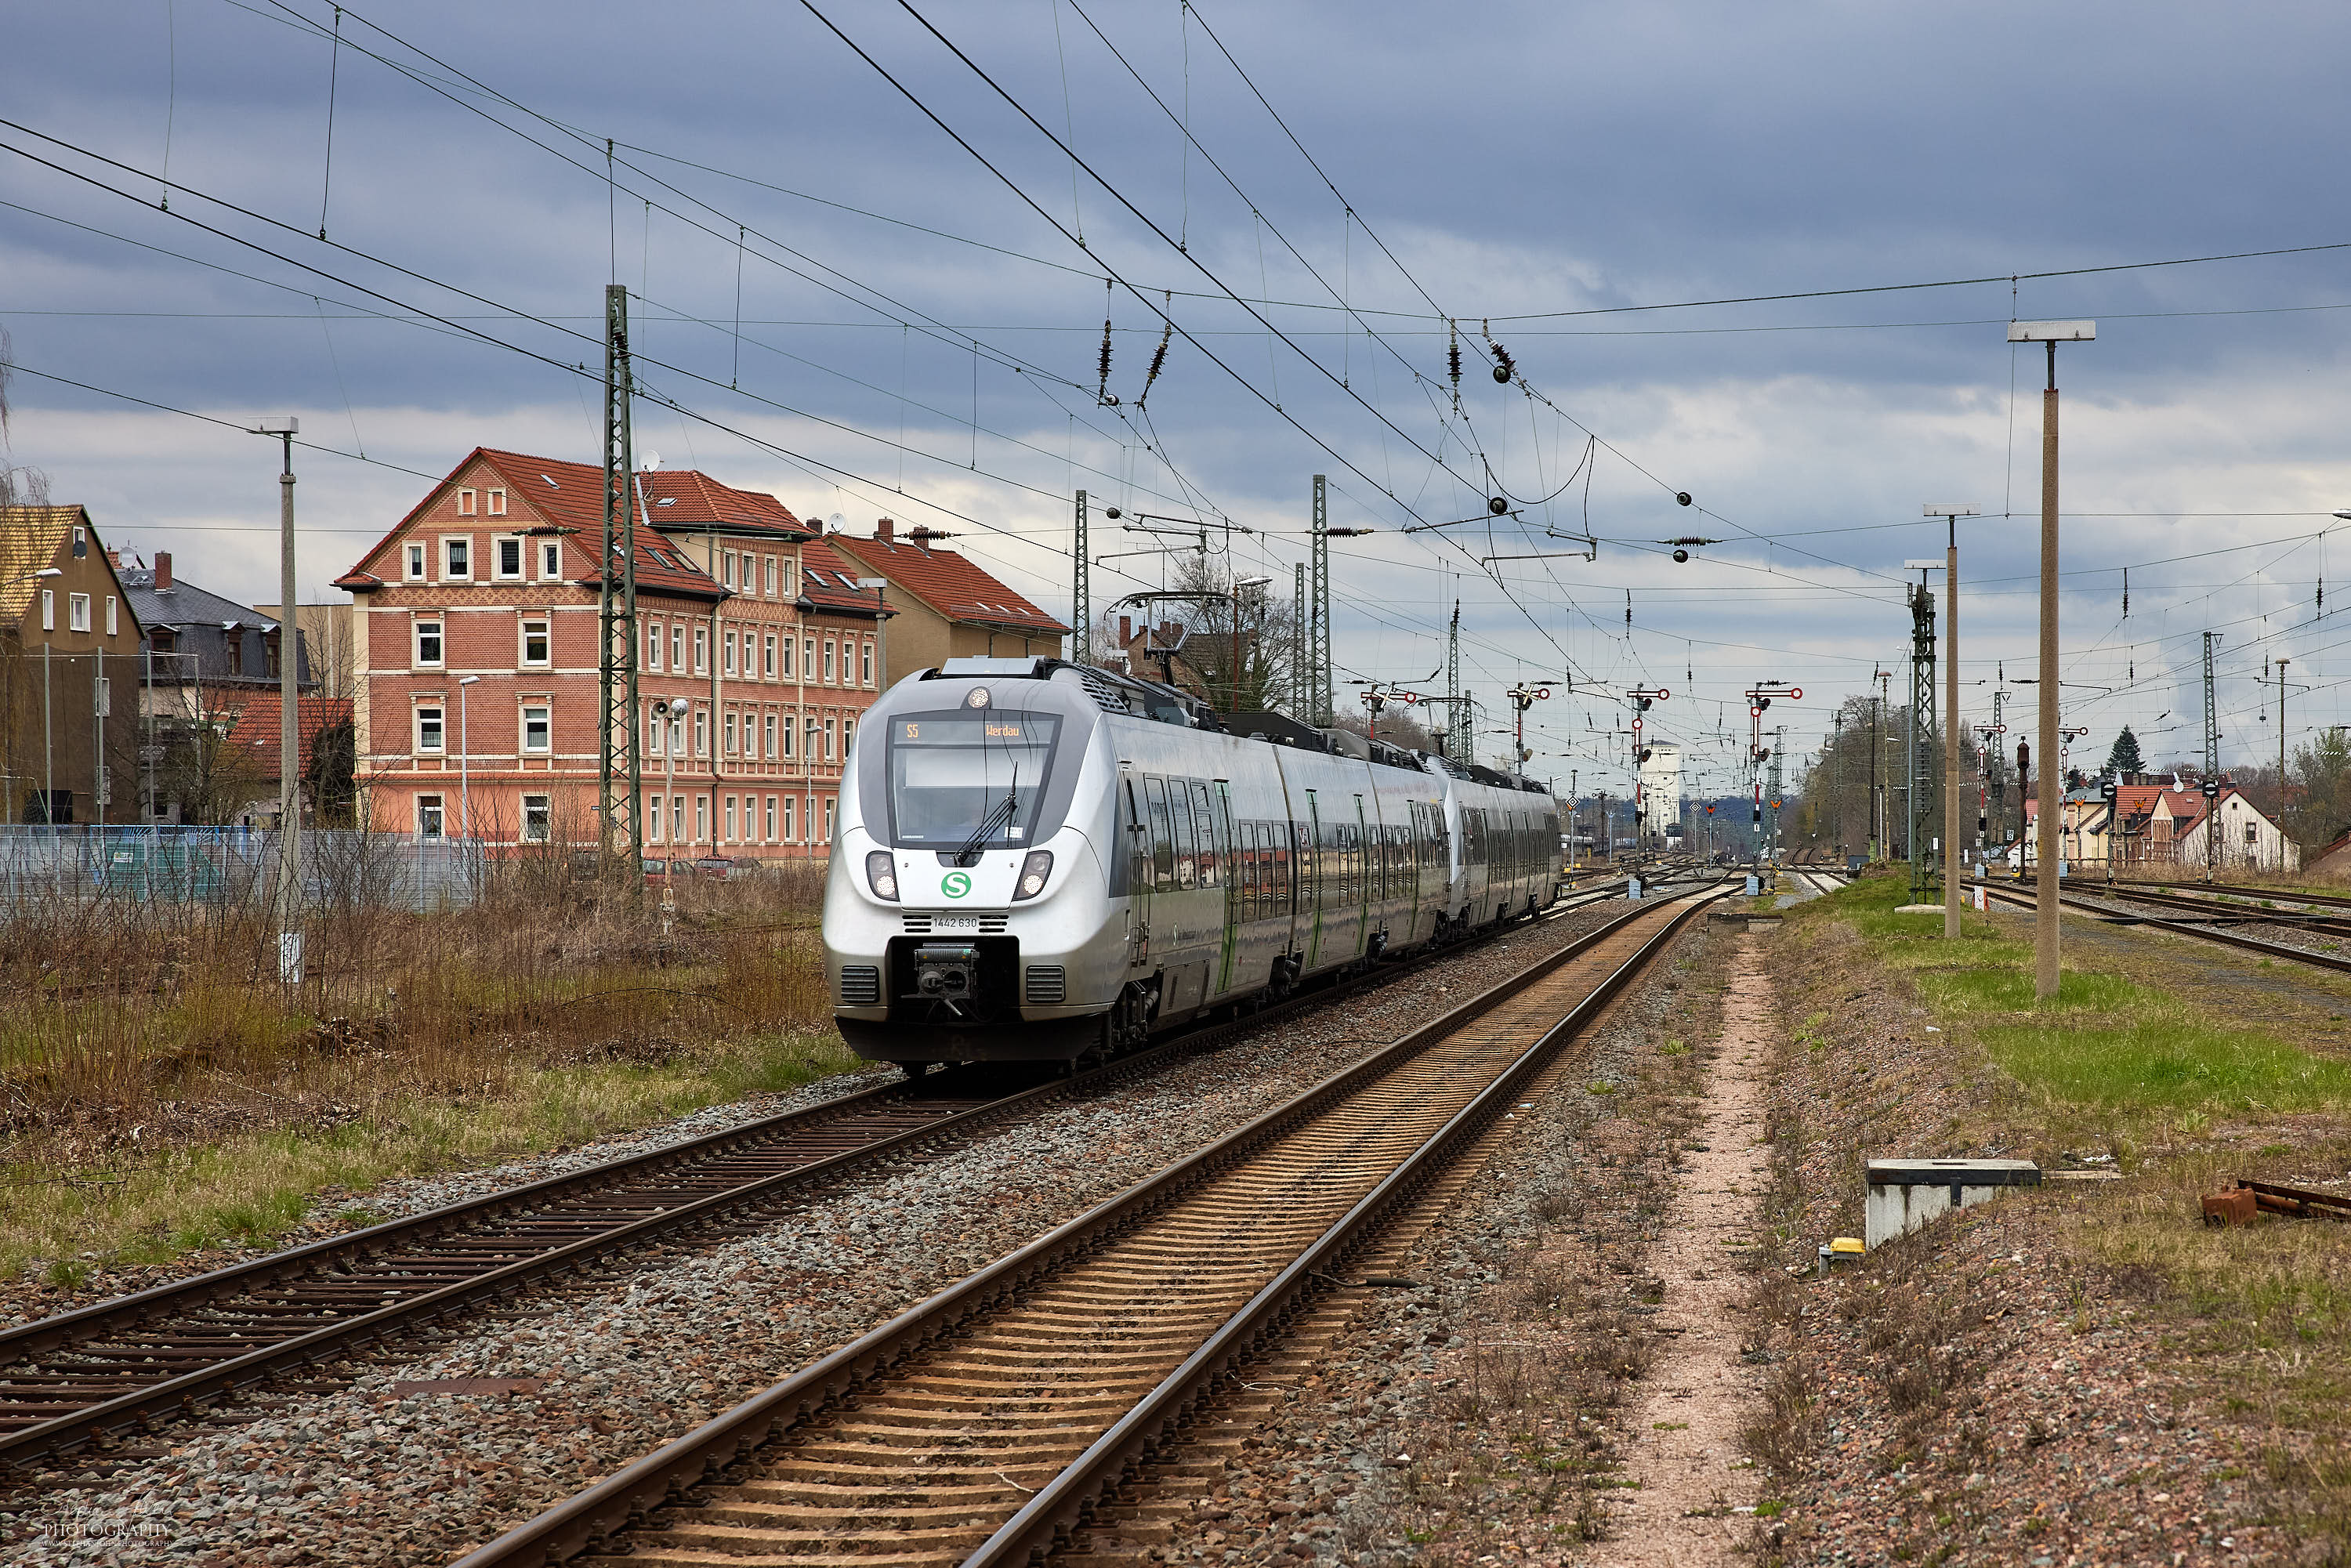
{"x":961,"y":781}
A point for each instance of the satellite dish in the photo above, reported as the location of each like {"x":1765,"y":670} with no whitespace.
{"x":835,"y":523}
{"x":652,"y":461}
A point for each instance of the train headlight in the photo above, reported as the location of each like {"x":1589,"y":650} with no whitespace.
{"x":882,"y":875}
{"x":1034,"y":872}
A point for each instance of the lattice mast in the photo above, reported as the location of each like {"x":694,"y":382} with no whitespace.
{"x":1921,"y":771}
{"x":1301,"y":682}
{"x":1458,"y":732}
{"x":620,"y":773}
{"x":1321,"y":663}
{"x":2212,"y":714}
{"x":1082,"y":594}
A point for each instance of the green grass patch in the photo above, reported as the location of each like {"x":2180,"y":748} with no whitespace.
{"x":2167,"y":1060}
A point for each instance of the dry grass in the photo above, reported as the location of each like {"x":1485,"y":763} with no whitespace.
{"x":159,"y":1091}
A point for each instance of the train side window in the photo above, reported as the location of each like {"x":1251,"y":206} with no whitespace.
{"x":1180,"y":808}
{"x":1162,"y":847}
{"x":1204,"y":821}
{"x":1254,"y":863}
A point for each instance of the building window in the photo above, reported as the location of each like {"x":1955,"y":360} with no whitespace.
{"x":730,"y":732}
{"x":534,"y":642}
{"x":828,"y":740}
{"x":788,"y":659}
{"x":771,"y":738}
{"x":653,"y":728}
{"x":48,"y":610}
{"x":78,"y":612}
{"x":828,"y":663}
{"x":702,"y":732}
{"x":808,"y":751}
{"x":654,"y":819}
{"x":165,"y":640}
{"x":770,"y":564}
{"x":702,"y":650}
{"x":848,"y":736}
{"x":497,"y":501}
{"x":770,"y":835}
{"x":464,"y":503}
{"x":416,"y":563}
{"x":726,"y":576}
{"x":653,"y":646}
{"x":829,"y":804}
{"x":808,"y":658}
{"x":537,"y":817}
{"x":677,"y":819}
{"x":430,"y":731}
{"x":536,"y":730}
{"x":431,"y":819}
{"x":727,"y":653}
{"x":865,"y":665}
{"x":769,"y":667}
{"x":677,"y":648}
{"x":2252,"y":833}
{"x":113,"y":605}
{"x":457,"y":560}
{"x":787,"y":737}
{"x":730,"y":817}
{"x":550,"y":561}
{"x":233,"y":646}
{"x":788,"y":802}
{"x":428,"y":643}
{"x":271,"y":641}
{"x":700,"y":817}
{"x":677,"y":733}
{"x":509,"y":556}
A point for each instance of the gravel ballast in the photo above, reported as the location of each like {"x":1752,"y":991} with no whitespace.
{"x":373,"y":1473}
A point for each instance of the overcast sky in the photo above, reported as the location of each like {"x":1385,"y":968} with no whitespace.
{"x":869,"y":318}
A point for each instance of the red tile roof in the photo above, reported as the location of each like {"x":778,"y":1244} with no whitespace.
{"x":828,"y":579}
{"x":949,"y":583}
{"x":571,"y":496}
{"x":254,"y":731}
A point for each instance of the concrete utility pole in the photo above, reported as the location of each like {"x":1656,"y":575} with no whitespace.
{"x":1952,"y":516}
{"x":2045,"y":976}
{"x":289,"y":755}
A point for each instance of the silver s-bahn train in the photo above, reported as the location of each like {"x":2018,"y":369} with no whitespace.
{"x":1038,"y":860}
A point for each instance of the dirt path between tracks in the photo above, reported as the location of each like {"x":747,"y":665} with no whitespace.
{"x":1691,"y":1481}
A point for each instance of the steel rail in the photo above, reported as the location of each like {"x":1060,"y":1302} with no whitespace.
{"x":630,"y":1494}
{"x":2184,"y":928}
{"x":1063,"y":1504}
{"x":178,"y":1394}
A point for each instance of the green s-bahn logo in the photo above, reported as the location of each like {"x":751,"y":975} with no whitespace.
{"x":955,"y":884}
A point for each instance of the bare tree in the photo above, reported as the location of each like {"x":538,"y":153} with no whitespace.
{"x":1264,"y":638}
{"x":20,"y":486}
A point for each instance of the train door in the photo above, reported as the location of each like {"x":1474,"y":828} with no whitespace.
{"x":1235,"y":878}
{"x":1367,"y":851}
{"x":1133,"y":872}
{"x":1311,"y":878}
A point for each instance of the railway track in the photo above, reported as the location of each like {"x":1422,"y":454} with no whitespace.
{"x":2228,"y":905}
{"x":2088,"y":903}
{"x":984,"y":1424}
{"x":124,"y":1366}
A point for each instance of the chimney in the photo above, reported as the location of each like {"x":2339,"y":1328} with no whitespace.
{"x":163,"y":569}
{"x":1125,"y":629}
{"x":884,"y":529}
{"x":114,"y":559}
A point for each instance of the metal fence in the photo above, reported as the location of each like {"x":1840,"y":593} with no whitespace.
{"x":163,"y":864}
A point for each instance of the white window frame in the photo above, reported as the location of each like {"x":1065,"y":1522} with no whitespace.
{"x":499,"y":544}
{"x":77,"y":612}
{"x":497,"y":500}
{"x":730,"y":819}
{"x":465,"y":501}
{"x":727,"y":559}
{"x":768,"y":670}
{"x":787,"y":644}
{"x":768,"y":566}
{"x":416,"y":634}
{"x":440,"y":722}
{"x":449,"y":545}
{"x":828,"y":740}
{"x":544,"y":829}
{"x":438,"y":805}
{"x":831,"y":803}
{"x":790,"y":800}
{"x":702,"y":650}
{"x":789,"y":727}
{"x":726,"y":652}
{"x":770,"y":728}
{"x":656,"y":733}
{"x":702,"y":732}
{"x":546,"y":725}
{"x":829,"y":665}
{"x":48,"y":610}
{"x":114,"y":616}
{"x":728,"y":723}
{"x":677,"y":646}
{"x":550,"y":561}
{"x":865,"y":665}
{"x":701,"y":818}
{"x":654,"y":646}
{"x":769,"y":836}
{"x":654,"y":818}
{"x":546,"y":642}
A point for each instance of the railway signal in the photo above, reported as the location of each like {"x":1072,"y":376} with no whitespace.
{"x":1523,"y":697}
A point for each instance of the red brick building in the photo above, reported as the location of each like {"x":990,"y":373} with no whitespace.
{"x":480,"y":695}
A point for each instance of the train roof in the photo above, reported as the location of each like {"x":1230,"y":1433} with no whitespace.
{"x":1116,"y":692}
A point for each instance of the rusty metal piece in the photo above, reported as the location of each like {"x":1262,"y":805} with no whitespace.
{"x":2235,"y":1206}
{"x":2300,"y":1202}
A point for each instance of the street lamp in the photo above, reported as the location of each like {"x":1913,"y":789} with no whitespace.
{"x":2045,"y":979}
{"x":464,"y":756}
{"x":1950,"y":516}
